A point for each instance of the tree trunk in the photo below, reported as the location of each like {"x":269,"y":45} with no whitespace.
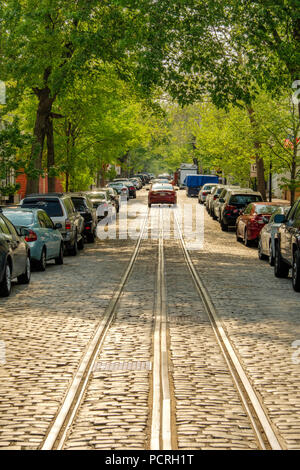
{"x":43,"y":112}
{"x":50,"y":154}
{"x":261,"y":184}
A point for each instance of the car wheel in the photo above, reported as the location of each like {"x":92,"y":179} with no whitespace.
{"x":246,"y":241}
{"x":296,"y":272}
{"x":224,"y":227}
{"x":5,"y":284}
{"x":74,"y":250}
{"x":281,"y":269}
{"x":25,"y":277}
{"x":60,"y":259}
{"x":80,"y":244}
{"x":43,"y":261}
{"x":271,"y":256}
{"x":260,"y":254}
{"x":149,"y":205}
{"x":91,"y":237}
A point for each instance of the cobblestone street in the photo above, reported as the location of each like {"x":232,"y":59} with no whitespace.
{"x":47,"y":326}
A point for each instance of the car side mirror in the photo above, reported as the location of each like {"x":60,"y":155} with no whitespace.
{"x":279,"y":218}
{"x":57,"y":226}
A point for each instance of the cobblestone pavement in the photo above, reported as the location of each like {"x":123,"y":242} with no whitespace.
{"x":209,"y":414}
{"x":45,"y":328}
{"x":115,"y":411}
{"x":262,"y":317}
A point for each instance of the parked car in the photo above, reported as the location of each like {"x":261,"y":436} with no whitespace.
{"x":213,"y":197}
{"x":84,"y":206}
{"x":112,"y":196}
{"x":204,"y":192}
{"x":42,"y":236}
{"x":137,"y":183}
{"x":142,"y":177}
{"x":251,"y":221}
{"x":162,"y":194}
{"x":14,"y":257}
{"x":120,"y":188}
{"x":233,"y":202}
{"x":130,"y":186}
{"x":102,"y":203}
{"x":218,"y":204}
{"x":61,"y":210}
{"x":287,"y":245}
{"x":266,"y":242}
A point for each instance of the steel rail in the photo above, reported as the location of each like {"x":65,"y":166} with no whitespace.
{"x":161,"y":436}
{"x":57,"y":434}
{"x":258,"y":417}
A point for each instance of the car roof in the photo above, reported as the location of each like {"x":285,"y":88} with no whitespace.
{"x":22,"y":209}
{"x":76,"y":194}
{"x":245,"y":191}
{"x":47,"y":195}
{"x":261,"y":203}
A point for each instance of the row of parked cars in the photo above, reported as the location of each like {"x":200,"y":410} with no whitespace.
{"x":273,"y":227}
{"x":45,"y":227}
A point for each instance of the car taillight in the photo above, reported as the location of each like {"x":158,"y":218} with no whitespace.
{"x":229,"y":208}
{"x":204,"y":193}
{"x":87,"y":228}
{"x":131,"y":188}
{"x":31,"y":237}
{"x":215,"y":197}
{"x":68,"y":225}
{"x":124,"y":190}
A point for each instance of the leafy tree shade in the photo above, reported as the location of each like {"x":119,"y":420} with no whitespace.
{"x":47,"y":43}
{"x":11,"y":142}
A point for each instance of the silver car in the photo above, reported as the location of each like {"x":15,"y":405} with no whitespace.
{"x":102,"y":202}
{"x":61,"y":210}
{"x":204,"y":192}
{"x":266,"y":241}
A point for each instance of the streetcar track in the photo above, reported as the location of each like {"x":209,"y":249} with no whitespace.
{"x":161,"y":435}
{"x":266,"y":435}
{"x":162,"y":429}
{"x":58,"y":431}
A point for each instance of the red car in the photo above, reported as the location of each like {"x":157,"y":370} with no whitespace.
{"x":162,"y":194}
{"x":253,"y":219}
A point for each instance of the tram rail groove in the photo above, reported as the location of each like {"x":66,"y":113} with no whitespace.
{"x":161,"y":427}
{"x":261,"y":424}
{"x":58,"y":431}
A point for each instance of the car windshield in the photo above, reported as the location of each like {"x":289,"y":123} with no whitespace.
{"x":208,"y":187}
{"x":51,"y":206}
{"x":79,"y":204}
{"x":261,"y":209}
{"x":244,"y":199}
{"x":19,"y":218}
{"x":115,"y":185}
{"x":219,"y":190}
{"x":166,"y":187}
{"x":97,"y":196}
